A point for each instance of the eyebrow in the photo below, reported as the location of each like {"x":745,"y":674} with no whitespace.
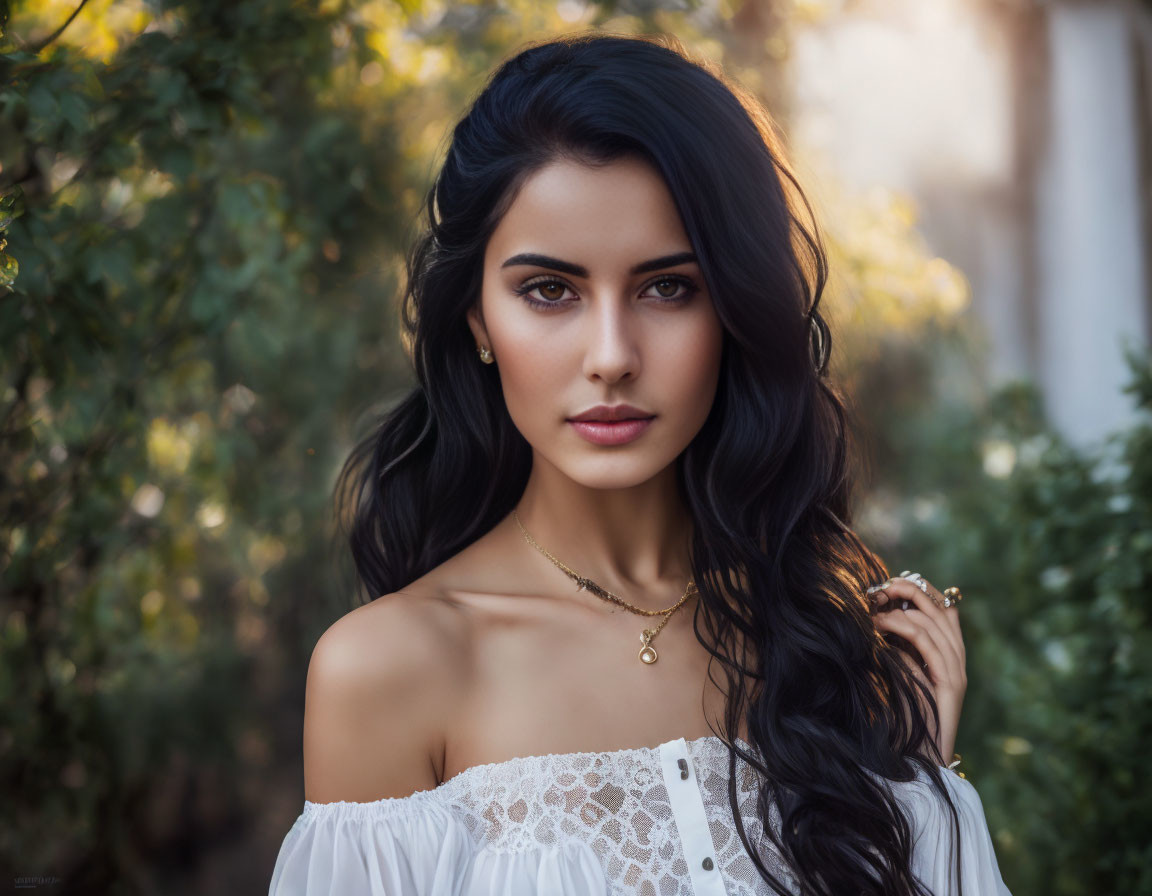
{"x":576,"y":270}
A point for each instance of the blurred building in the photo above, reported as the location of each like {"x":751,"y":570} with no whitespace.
{"x":1021,"y":129}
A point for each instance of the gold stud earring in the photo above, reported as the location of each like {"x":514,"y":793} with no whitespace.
{"x":485,"y":354}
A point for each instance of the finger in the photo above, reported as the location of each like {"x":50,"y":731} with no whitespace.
{"x":951,"y":614}
{"x":892,"y":591}
{"x":905,"y":590}
{"x":917,"y":628}
{"x":943,"y":662}
{"x":876,"y":598}
{"x":936,"y":669}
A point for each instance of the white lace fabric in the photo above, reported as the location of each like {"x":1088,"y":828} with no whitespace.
{"x":649,"y":821}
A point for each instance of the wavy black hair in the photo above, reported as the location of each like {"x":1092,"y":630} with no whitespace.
{"x":829,"y":703}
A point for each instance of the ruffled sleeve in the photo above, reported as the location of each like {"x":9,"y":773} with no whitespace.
{"x":934,"y":839}
{"x":408,"y":846}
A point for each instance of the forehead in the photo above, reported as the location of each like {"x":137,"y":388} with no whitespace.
{"x":591,"y":215}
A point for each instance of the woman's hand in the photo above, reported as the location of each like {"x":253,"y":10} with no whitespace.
{"x":934,"y":630}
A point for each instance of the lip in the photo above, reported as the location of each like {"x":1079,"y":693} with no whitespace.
{"x":617,"y":432}
{"x":603,"y":413}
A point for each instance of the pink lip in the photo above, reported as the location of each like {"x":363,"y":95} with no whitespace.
{"x":616,"y":433}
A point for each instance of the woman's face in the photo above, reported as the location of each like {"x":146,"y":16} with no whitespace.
{"x":610,"y":309}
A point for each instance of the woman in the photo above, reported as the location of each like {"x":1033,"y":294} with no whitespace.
{"x":610,"y":531}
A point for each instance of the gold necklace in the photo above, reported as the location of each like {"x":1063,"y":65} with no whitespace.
{"x":647,"y":652}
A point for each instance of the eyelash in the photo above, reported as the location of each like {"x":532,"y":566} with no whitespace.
{"x":689,"y":285}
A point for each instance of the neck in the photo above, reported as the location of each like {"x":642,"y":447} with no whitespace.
{"x":632,"y":541}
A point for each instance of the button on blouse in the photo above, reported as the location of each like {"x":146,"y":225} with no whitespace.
{"x":687,"y":803}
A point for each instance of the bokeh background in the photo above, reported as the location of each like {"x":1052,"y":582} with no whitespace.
{"x":203,"y":210}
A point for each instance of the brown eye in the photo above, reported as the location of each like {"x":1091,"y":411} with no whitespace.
{"x":673,"y":289}
{"x":550,"y":289}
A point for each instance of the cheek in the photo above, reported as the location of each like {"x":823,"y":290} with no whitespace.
{"x":533,"y":377}
{"x":691,"y":368}
{"x":517,"y":342}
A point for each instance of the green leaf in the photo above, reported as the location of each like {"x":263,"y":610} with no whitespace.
{"x":76,"y":112}
{"x":9,"y":270}
{"x":177,"y":159}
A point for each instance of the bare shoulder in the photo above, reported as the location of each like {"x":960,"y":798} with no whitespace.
{"x":383,"y":683}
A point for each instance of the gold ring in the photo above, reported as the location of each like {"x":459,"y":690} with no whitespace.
{"x":952,"y":596}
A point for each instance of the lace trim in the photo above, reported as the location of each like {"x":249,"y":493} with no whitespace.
{"x":441,"y":790}
{"x":614,"y":802}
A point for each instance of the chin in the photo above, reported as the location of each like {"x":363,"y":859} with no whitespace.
{"x":612,"y":471}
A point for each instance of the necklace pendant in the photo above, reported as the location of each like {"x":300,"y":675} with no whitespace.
{"x":647,"y":652}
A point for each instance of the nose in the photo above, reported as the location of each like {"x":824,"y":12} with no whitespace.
{"x":612,"y":344}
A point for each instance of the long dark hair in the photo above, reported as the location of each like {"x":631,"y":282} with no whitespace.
{"x":829,"y":704}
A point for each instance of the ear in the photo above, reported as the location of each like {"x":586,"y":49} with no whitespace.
{"x":476,"y":325}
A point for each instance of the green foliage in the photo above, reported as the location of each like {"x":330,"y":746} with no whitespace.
{"x":169,"y":381}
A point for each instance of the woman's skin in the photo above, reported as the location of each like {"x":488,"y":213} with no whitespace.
{"x":496,"y":653}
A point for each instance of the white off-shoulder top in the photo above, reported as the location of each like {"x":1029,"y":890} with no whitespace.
{"x":648,"y":821}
